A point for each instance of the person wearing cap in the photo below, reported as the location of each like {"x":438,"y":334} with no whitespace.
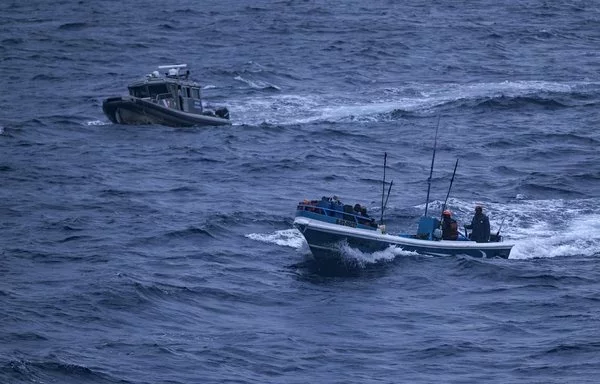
{"x":449,"y":226}
{"x":480,"y":226}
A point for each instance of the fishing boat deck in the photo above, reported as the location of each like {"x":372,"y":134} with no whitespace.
{"x":334,"y":211}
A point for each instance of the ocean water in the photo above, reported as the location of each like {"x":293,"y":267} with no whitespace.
{"x":151,"y":254}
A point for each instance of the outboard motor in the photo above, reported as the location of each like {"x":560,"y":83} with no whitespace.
{"x":222,"y":112}
{"x":495,"y":238}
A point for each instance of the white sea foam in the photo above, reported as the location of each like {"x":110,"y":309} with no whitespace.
{"x":96,"y":122}
{"x":581,"y":237}
{"x":301,"y":109}
{"x":285,"y":237}
{"x":359,"y":258}
{"x":257,"y":84}
{"x":356,"y":257}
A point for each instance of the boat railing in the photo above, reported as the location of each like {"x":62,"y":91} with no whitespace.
{"x":161,"y":96}
{"x":339,"y":213}
{"x":164,"y":99}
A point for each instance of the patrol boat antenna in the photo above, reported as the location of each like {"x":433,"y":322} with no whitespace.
{"x":172,"y":66}
{"x":175,"y":71}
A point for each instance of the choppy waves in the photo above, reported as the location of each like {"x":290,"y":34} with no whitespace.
{"x":153,"y":254}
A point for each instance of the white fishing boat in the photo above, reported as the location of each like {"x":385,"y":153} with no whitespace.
{"x":328,"y":225}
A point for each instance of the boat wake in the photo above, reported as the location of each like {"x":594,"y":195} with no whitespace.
{"x":389,"y":104}
{"x":580,"y":238}
{"x":257,"y":84}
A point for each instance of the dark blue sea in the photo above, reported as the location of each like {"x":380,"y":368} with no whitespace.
{"x":149,"y":254}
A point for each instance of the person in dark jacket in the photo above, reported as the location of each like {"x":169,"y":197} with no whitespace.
{"x":449,"y":226}
{"x":480,"y":226}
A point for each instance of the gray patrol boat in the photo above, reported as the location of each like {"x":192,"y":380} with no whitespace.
{"x":168,"y":98}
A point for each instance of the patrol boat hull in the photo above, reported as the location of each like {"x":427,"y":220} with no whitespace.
{"x":135,"y":111}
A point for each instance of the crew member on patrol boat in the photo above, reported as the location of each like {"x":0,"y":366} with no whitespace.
{"x":449,"y":226}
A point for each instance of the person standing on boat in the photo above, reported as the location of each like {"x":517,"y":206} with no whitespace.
{"x":480,"y":226}
{"x":449,"y":226}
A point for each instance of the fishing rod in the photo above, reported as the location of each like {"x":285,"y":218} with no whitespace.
{"x":501,"y":224}
{"x":383,"y":186}
{"x":432,"y":161}
{"x":450,"y":187}
{"x":386,"y":200}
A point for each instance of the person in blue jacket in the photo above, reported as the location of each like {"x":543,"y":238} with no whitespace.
{"x":480,"y":226}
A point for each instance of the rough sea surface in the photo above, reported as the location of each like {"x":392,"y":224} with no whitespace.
{"x":148,"y":254}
